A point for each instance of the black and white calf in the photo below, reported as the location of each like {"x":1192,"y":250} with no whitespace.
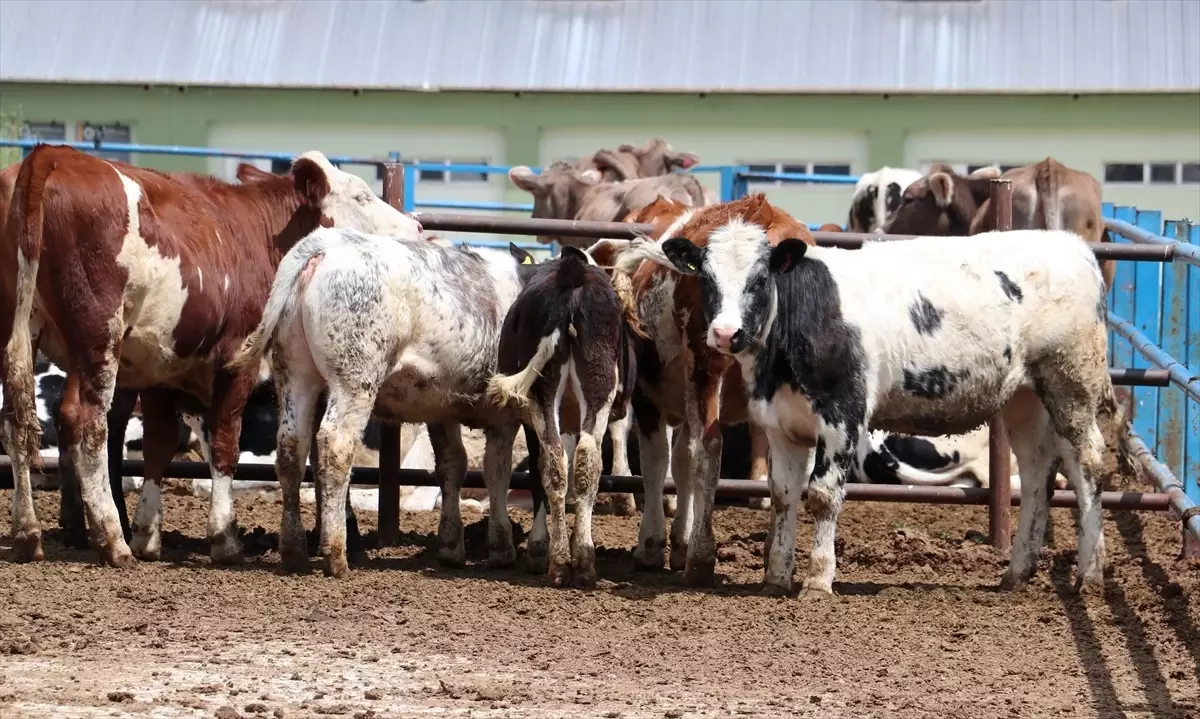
{"x":877,"y":196}
{"x":564,"y":358}
{"x":926,"y":337}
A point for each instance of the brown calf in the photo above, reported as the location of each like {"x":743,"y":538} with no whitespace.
{"x":684,"y":382}
{"x":132,"y":277}
{"x":562,"y":192}
{"x":1046,"y":195}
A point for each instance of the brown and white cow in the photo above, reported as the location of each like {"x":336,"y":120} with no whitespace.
{"x":562,"y":192}
{"x":629,"y":163}
{"x":684,"y":382}
{"x":149,"y":280}
{"x":1046,"y":195}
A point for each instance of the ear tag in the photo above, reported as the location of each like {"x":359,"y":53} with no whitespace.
{"x":527,"y":261}
{"x":691,"y":266}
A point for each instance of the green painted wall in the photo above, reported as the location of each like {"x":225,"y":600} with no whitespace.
{"x":185,"y":117}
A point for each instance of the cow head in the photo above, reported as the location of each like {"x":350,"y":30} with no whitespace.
{"x":557,"y":192}
{"x":733,"y":254}
{"x":613,"y":166}
{"x":657,"y":158}
{"x":877,"y":196}
{"x":526,"y":264}
{"x":345,"y":200}
{"x":941,"y":203}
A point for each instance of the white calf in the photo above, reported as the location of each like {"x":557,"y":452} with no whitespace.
{"x":405,"y":329}
{"x":877,"y":196}
{"x":930,"y":336}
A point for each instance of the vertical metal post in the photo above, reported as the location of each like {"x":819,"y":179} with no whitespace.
{"x":1000,"y":491}
{"x":1191,"y":429}
{"x":389,"y":432}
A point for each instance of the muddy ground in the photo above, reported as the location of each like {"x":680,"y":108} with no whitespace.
{"x":917,"y":629}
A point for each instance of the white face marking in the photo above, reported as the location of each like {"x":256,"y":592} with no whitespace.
{"x":733,"y":250}
{"x":351,"y":203}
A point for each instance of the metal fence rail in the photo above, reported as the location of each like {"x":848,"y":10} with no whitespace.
{"x":1154,"y":308}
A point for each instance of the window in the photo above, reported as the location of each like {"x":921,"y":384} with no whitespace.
{"x":105,"y":135}
{"x":795,"y":167}
{"x":281,"y":167}
{"x":44,"y":131}
{"x":1152,"y":173}
{"x":451,"y":176}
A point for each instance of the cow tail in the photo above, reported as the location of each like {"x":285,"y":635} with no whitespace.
{"x":285,"y":291}
{"x":25,"y":225}
{"x":1046,"y":182}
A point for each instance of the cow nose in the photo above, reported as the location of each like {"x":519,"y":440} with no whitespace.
{"x":723,"y":335}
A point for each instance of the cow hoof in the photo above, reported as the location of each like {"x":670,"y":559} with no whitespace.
{"x":27,"y":547}
{"x":452,"y":556}
{"x":294,"y":563}
{"x":1088,"y":584}
{"x":122,"y":559}
{"x":225,"y":548}
{"x":584,"y":579}
{"x":336,"y":567}
{"x":502,"y":558}
{"x":814,"y":590}
{"x":774,"y":590}
{"x":146,"y":547}
{"x":650,"y":555}
{"x":537,"y":558}
{"x":678,"y":560}
{"x":559,"y":574}
{"x":1011,"y":581}
{"x":670,"y":504}
{"x":759,"y":503}
{"x":583,"y":567}
{"x":700,"y":575}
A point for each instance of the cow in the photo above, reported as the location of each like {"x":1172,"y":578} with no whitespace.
{"x":877,"y":196}
{"x":683,"y":382}
{"x":831,"y":342}
{"x":959,"y":460}
{"x":564,"y":358}
{"x":399,"y":328}
{"x":562,"y":192}
{"x":147,"y":280}
{"x":1045,"y":196}
{"x":629,"y":163}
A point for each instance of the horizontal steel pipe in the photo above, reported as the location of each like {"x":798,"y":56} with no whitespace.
{"x":1168,"y":486}
{"x":726,"y":488}
{"x":1179,"y":373}
{"x":1139,"y":377}
{"x":1103,"y":250}
{"x":453,"y":222}
{"x":1184,"y":251}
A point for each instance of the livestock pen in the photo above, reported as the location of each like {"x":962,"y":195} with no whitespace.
{"x":915,"y":629}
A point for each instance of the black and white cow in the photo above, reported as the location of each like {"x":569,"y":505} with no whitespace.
{"x":877,"y":196}
{"x":925,"y":337}
{"x":565,"y":363}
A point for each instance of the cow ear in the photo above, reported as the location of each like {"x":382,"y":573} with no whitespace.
{"x":310,"y":181}
{"x":942,"y":187}
{"x":521,"y":256}
{"x":684,"y":160}
{"x":686,"y":257}
{"x":786,"y":255}
{"x":576,"y":253}
{"x":523,"y":177}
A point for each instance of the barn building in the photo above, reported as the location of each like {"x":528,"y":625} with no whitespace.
{"x":835,"y":87}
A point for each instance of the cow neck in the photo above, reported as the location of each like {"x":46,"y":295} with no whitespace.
{"x":275,"y":210}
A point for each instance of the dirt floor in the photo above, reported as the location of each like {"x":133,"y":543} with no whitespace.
{"x":917,"y":629}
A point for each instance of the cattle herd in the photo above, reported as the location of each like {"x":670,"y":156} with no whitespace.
{"x":285,"y":317}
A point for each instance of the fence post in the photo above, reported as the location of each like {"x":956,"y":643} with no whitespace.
{"x":389,"y":432}
{"x":1146,"y":302}
{"x":1000,"y":491}
{"x":1123,"y":290}
{"x":1191,"y":431}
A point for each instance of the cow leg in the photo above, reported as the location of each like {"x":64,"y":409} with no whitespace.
{"x":70,"y":502}
{"x":651,"y":551}
{"x":1033,"y":444}
{"x":230,"y":391}
{"x":497,"y":473}
{"x":450,"y":466}
{"x":837,"y":451}
{"x":84,"y":415}
{"x":17,"y":420}
{"x":338,"y":437}
{"x":538,"y":544}
{"x":788,"y":477}
{"x":706,"y":463}
{"x":569,"y":441}
{"x":587,"y":467}
{"x":621,"y":503}
{"x":554,"y":482}
{"x":670,"y":502}
{"x":295,"y":442}
{"x":159,"y":438}
{"x":760,"y":464}
{"x":119,"y":414}
{"x":681,"y":522}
